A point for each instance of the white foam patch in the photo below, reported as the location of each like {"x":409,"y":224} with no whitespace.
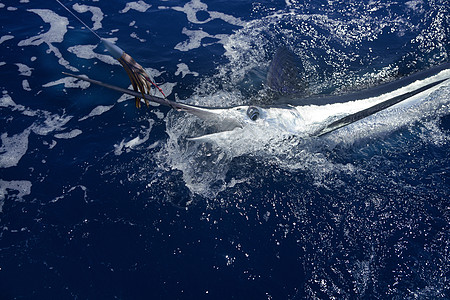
{"x":140,"y":6}
{"x":183,"y":69}
{"x":69,"y":135}
{"x":97,"y":111}
{"x":50,"y":146}
{"x":153,"y":72}
{"x":6,"y":38}
{"x":158,"y":114}
{"x":2,"y":63}
{"x":58,"y":28}
{"x":65,"y":193}
{"x":7,"y":101}
{"x":2,"y":5}
{"x":52,"y":122}
{"x":97,"y":14}
{"x":24,"y":70}
{"x":15,"y":190}
{"x":13,"y":148}
{"x":87,"y":52}
{"x":194,"y":6}
{"x":69,"y":82}
{"x":125,"y":97}
{"x":168,"y":87}
{"x":26,"y":85}
{"x":135,"y":142}
{"x":135,"y":36}
{"x":195,"y":39}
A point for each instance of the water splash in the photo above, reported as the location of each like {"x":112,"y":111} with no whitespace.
{"x":331,"y":51}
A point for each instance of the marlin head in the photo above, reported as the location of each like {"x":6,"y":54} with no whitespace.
{"x":254,"y":121}
{"x":222,"y":119}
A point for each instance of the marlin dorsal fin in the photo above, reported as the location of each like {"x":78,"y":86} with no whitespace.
{"x":284,"y":74}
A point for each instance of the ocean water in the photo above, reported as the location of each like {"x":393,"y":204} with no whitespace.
{"x":100,"y":200}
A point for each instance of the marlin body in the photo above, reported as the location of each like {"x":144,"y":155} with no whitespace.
{"x":307,"y":117}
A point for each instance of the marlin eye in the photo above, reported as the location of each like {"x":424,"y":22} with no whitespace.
{"x":253,"y":113}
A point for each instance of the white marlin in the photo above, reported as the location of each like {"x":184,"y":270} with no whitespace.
{"x":311,"y":116}
{"x":305,"y":117}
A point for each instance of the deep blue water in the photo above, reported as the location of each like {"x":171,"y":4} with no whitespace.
{"x":100,"y":200}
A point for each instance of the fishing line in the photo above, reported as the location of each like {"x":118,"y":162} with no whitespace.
{"x":76,"y":17}
{"x":139,"y":78}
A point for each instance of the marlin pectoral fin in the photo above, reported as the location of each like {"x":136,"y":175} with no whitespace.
{"x":347,"y":120}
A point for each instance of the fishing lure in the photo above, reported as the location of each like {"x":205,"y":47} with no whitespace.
{"x":139,"y":78}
